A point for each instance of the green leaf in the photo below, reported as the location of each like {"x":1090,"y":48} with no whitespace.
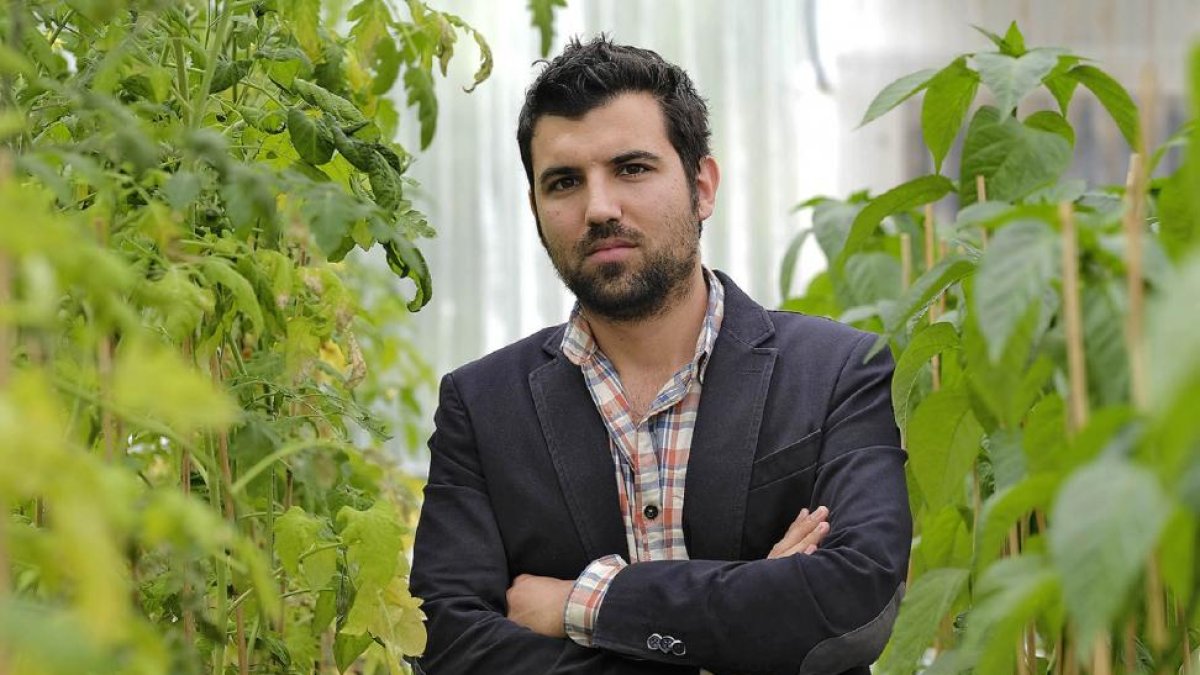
{"x":1062,"y":85}
{"x":1003,"y":448}
{"x":1174,"y":343}
{"x":831,"y":224}
{"x":872,"y":276}
{"x":419,"y":85}
{"x":926,"y":344}
{"x":542,"y":15}
{"x":1010,"y":78}
{"x":1113,"y":97}
{"x":1179,"y":214}
{"x":897,"y":92}
{"x":787,"y":268}
{"x":1104,"y":342}
{"x":341,"y":109}
{"x":1045,"y":434}
{"x":228,"y":74}
{"x":347,"y":649}
{"x":1014,"y":40}
{"x":311,"y":137}
{"x":1178,"y":554}
{"x":369,"y":21}
{"x":944,"y":540}
{"x":1008,"y":386}
{"x":304,"y":17}
{"x":374,"y":541}
{"x":930,"y":598}
{"x":1004,"y":509}
{"x":1013,"y":158}
{"x":330,"y":213}
{"x":900,"y":198}
{"x":1017,"y":268}
{"x":224,"y":273}
{"x":945,"y":107}
{"x":319,"y":568}
{"x":1106,"y":521}
{"x":927,"y":287}
{"x":1012,"y":594}
{"x":405,"y":260}
{"x":385,"y":183}
{"x":943,"y":441}
{"x":295,"y":533}
{"x":154,"y":382}
{"x":1048,"y":120}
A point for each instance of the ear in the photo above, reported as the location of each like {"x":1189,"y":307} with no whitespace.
{"x":708,"y":178}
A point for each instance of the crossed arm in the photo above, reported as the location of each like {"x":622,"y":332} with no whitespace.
{"x":538,"y":603}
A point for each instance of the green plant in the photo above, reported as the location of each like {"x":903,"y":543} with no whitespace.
{"x":190,"y":468}
{"x":1047,"y":368}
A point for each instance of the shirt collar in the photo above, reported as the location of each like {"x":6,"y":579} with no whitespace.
{"x":579,"y":346}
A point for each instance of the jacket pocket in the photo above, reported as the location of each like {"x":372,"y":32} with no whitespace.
{"x":786,"y":461}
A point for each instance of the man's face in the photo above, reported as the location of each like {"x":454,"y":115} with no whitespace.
{"x":614,"y":208}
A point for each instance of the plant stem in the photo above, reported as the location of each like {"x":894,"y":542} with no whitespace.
{"x":231,"y":516}
{"x":981,"y":196}
{"x":1076,"y":371}
{"x":935,"y":362}
{"x":7,"y":345}
{"x":200,"y":96}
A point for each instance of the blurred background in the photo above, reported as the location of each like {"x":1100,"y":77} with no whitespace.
{"x":787,"y":83}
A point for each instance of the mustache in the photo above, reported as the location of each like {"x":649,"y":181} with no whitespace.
{"x":609,"y":229}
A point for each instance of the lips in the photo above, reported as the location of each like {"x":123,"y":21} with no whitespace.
{"x":609,"y":250}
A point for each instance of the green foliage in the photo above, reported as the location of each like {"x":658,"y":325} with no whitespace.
{"x":192,"y":472}
{"x":542,"y":13}
{"x":1034,"y":523}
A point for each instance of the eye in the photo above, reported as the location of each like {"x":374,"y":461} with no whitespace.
{"x":564,"y":183}
{"x":632,"y":169}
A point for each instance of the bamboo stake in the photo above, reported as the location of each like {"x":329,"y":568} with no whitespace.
{"x":231,"y":516}
{"x":1129,"y":651}
{"x":1101,"y":656}
{"x":935,"y":362}
{"x":1181,"y":621}
{"x":7,"y":345}
{"x":1134,"y":335}
{"x":981,"y":196}
{"x":1077,"y":374}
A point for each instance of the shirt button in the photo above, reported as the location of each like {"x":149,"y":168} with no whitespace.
{"x":651,"y":511}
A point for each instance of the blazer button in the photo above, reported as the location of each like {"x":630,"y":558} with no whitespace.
{"x":651,"y":511}
{"x":654,"y":641}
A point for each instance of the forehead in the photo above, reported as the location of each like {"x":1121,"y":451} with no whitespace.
{"x":630,"y":121}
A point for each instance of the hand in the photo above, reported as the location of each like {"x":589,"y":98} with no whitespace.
{"x":804,"y":534}
{"x":539,"y":603}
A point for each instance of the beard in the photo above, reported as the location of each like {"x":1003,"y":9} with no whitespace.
{"x":632,"y":290}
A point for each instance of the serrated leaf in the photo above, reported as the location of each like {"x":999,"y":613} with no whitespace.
{"x":312,"y":138}
{"x":943,"y":441}
{"x":330,"y":213}
{"x":369,"y":21}
{"x":944,"y":108}
{"x":341,"y":109}
{"x":1011,"y":78}
{"x":926,"y":344}
{"x":896,"y":93}
{"x":1017,"y":267}
{"x":900,"y":198}
{"x":930,"y":598}
{"x":420,"y":87}
{"x":542,"y":17}
{"x":156,"y":383}
{"x":1113,"y":97}
{"x":304,"y":17}
{"x":1108,"y":501}
{"x":1013,"y":158}
{"x":1104,"y":311}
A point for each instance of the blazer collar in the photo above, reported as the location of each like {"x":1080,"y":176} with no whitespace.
{"x":723,"y":446}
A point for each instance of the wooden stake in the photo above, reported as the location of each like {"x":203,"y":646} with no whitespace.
{"x":1129,"y":651}
{"x":1101,"y":656}
{"x":1156,"y":613}
{"x":1189,"y":660}
{"x":930,"y":248}
{"x":1134,"y":222}
{"x":981,"y":196}
{"x":1077,"y":373}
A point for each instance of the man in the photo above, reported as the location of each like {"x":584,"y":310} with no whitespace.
{"x":676,"y":479}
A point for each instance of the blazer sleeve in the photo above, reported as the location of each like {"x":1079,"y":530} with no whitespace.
{"x":460,"y":572}
{"x":822,"y":613}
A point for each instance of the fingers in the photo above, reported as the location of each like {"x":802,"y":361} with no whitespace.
{"x":803,"y":535}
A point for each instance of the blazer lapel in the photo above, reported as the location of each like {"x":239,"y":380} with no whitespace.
{"x":579,"y":448}
{"x":732,"y":400}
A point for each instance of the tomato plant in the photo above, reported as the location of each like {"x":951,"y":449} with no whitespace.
{"x":1046,"y":377}
{"x":191,"y":472}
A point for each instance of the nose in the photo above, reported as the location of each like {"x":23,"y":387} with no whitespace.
{"x":603,"y":204}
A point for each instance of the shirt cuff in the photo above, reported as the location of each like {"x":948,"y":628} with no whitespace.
{"x":583,"y":604}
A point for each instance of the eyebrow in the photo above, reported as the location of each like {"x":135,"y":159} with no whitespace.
{"x":552,"y":172}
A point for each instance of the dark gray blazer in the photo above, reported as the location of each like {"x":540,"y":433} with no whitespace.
{"x":521,"y":482}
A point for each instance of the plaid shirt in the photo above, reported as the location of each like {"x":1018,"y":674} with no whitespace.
{"x":650,"y":457}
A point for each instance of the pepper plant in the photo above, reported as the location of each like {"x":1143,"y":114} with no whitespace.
{"x":191,"y":468}
{"x":1047,"y":368}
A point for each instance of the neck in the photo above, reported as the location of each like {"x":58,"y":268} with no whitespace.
{"x":662,"y":342}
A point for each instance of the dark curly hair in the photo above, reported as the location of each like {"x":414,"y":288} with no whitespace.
{"x":588,"y":75}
